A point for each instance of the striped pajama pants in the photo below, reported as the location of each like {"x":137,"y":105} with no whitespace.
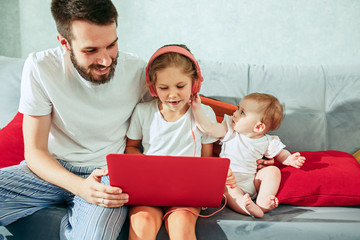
{"x":23,"y":193}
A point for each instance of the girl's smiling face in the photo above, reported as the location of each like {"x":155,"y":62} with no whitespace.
{"x":173,"y":87}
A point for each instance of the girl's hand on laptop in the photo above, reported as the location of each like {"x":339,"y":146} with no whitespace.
{"x":230,"y":179}
{"x":95,"y":192}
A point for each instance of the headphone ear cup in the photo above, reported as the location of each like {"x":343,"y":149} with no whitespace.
{"x":196,"y":86}
{"x":152,"y":91}
{"x":151,"y":88}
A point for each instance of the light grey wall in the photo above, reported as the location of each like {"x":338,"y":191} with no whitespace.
{"x":10,"y":28}
{"x":247,"y":31}
{"x":38,"y":29}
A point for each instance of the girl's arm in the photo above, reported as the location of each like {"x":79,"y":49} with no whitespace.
{"x":132,"y":146}
{"x":207,"y":150}
{"x":217,"y":130}
{"x":295,"y":160}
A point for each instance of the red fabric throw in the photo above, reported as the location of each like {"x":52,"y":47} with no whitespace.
{"x":12,"y":142}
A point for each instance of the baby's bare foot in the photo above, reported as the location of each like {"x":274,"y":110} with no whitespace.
{"x":268,"y":203}
{"x":250,"y":207}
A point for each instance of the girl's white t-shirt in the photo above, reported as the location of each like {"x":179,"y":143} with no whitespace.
{"x":160,"y":137}
{"x":88,"y":121}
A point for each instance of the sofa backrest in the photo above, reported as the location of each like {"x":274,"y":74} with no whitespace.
{"x":10,"y":75}
{"x":322,"y":102}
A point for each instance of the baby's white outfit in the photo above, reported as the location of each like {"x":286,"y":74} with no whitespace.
{"x":243,"y":153}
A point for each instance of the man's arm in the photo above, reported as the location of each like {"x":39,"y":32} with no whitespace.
{"x":36,"y":133}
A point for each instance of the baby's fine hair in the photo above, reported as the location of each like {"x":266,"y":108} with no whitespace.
{"x":172,"y":59}
{"x":271,"y":107}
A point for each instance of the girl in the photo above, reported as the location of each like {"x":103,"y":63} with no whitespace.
{"x":165,"y":126}
{"x":244,"y":140}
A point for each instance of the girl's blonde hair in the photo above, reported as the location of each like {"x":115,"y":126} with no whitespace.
{"x":271,"y":108}
{"x":172,"y":60}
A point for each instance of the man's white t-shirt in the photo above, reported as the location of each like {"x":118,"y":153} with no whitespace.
{"x":243,"y":151}
{"x":160,"y":137}
{"x":88,"y":121}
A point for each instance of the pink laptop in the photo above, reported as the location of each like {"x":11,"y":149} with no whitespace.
{"x":169,"y":181}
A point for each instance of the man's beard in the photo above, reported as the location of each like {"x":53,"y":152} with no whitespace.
{"x":86,"y":72}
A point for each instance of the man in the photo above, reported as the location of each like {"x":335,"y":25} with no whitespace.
{"x":76,"y":100}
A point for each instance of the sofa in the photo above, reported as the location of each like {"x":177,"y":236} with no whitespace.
{"x":322,"y":119}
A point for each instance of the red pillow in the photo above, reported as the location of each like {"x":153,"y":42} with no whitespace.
{"x":12,"y":142}
{"x":328,"y":178}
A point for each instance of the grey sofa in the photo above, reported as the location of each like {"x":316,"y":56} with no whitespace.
{"x":322,"y":113}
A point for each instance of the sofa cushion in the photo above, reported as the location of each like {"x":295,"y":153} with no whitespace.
{"x":328,"y":178}
{"x":12,"y":143}
{"x":10,"y":75}
{"x":321,"y":101}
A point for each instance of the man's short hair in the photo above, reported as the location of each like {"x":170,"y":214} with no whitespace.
{"x":101,"y":12}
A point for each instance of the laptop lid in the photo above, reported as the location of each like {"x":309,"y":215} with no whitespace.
{"x":169,"y":180}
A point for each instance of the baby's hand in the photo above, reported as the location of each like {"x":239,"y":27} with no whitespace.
{"x":230,"y":179}
{"x":195,"y":101}
{"x":295,"y":160}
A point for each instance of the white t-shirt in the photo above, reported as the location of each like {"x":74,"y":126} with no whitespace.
{"x":88,"y":121}
{"x":243,"y":151}
{"x":160,"y":137}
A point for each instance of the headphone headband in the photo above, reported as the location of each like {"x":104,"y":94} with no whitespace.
{"x":174,"y":49}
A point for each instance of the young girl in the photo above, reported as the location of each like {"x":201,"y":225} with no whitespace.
{"x":244,"y":140}
{"x":165,"y":126}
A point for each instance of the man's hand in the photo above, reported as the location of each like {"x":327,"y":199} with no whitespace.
{"x":261,"y":163}
{"x":93,"y":191}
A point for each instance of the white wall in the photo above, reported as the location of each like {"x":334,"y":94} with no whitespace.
{"x":247,"y":31}
{"x":9,"y":28}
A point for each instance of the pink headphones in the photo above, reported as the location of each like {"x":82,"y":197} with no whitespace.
{"x":174,"y":49}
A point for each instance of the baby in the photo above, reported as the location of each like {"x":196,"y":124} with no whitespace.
{"x":244,"y":140}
